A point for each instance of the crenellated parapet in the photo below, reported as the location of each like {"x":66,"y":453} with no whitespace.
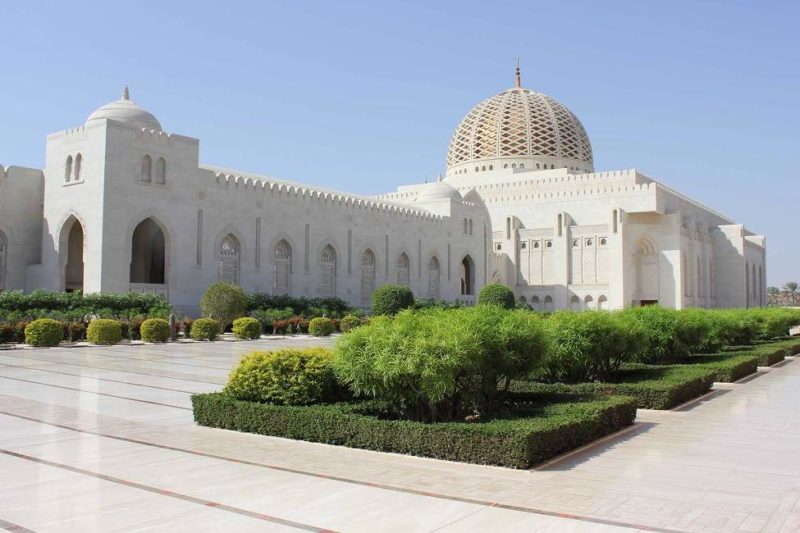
{"x":322,"y":197}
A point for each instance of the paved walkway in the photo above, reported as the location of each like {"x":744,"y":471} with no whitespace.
{"x":102,"y":439}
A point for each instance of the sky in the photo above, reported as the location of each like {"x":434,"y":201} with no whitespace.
{"x":364,"y":96}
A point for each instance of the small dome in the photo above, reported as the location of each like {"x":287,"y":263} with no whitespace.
{"x":438,"y":191}
{"x":520,"y":124}
{"x":127,"y":112}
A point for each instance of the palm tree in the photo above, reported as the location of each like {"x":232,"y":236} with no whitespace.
{"x":772,"y":295}
{"x":790,"y":287}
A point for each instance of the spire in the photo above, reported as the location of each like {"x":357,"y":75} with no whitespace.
{"x":518,"y":78}
{"x":126,"y":94}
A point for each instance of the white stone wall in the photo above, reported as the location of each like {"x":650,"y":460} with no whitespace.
{"x":20,"y":224}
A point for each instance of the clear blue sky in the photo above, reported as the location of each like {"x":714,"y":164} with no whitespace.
{"x":363,"y":96}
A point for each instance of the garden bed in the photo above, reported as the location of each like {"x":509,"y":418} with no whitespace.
{"x":728,"y":366}
{"x":539,"y":428}
{"x":653,"y":387}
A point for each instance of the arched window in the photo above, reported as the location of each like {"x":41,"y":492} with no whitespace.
{"x":327,"y":276}
{"x":467,"y":276}
{"x":548,"y":303}
{"x":602,"y":303}
{"x":470,"y":226}
{"x":536,"y":304}
{"x":3,"y":260}
{"x":465,"y":226}
{"x":402,"y":269}
{"x":522,"y":165}
{"x":72,"y":254}
{"x":588,"y":302}
{"x":574,"y":303}
{"x":646,"y":271}
{"x":147,"y":168}
{"x":68,"y":169}
{"x":282,"y":259}
{"x":508,"y":228}
{"x":161,"y":171}
{"x":433,"y":279}
{"x":148,"y":253}
{"x":367,"y":276}
{"x":229,"y":259}
{"x":78,"y":164}
{"x":523,"y":301}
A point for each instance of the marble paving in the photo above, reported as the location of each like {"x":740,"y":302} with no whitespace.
{"x":102,"y":439}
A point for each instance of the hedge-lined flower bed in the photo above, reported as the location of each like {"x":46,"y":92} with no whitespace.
{"x":535,"y":432}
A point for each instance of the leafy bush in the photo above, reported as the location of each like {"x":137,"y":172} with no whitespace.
{"x":246,"y":328}
{"x":155,"y":330}
{"x":285,"y":377}
{"x":302,"y":306}
{"x":671,"y":336}
{"x":187,"y":327}
{"x":267,"y":316}
{"x":773,"y":322}
{"x":589,"y":346}
{"x":76,"y":332}
{"x":104,"y":331}
{"x":78,"y":305}
{"x":520,"y":439}
{"x":321,"y":327}
{"x":44,"y":332}
{"x":437,"y":365}
{"x":391,"y":299}
{"x":349,"y":322}
{"x":224,"y":302}
{"x":497,"y":294}
{"x":205,"y":329}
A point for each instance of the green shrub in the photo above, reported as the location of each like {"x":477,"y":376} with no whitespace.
{"x":349,"y":322}
{"x":267,"y":316}
{"x":438,"y":364}
{"x":224,"y":302}
{"x":299,"y":306}
{"x":104,"y":331}
{"x":773,"y":321}
{"x":321,"y":327}
{"x":729,"y":366}
{"x":155,"y":330}
{"x":286,"y":377}
{"x":589,"y":346}
{"x":44,"y":332}
{"x":391,"y":299}
{"x":519,"y":440}
{"x":187,"y":327}
{"x":205,"y":329}
{"x":497,"y":294}
{"x":78,"y":305}
{"x":670,"y":336}
{"x":246,"y":328}
{"x":76,"y":332}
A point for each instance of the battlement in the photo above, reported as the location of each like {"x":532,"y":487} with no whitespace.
{"x":320,"y":196}
{"x":14,"y":172}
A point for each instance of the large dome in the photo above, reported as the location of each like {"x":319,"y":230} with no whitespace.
{"x":127,"y":112}
{"x":519,"y":127}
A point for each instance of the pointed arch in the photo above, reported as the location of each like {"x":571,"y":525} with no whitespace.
{"x":588,"y":302}
{"x":574,"y":303}
{"x":433,"y":278}
{"x":646,"y":270}
{"x":148,"y":253}
{"x":403,"y":269}
{"x":536,"y":304}
{"x":467,"y":271}
{"x":327,"y":268}
{"x":229,"y":259}
{"x":71,"y":253}
{"x":161,"y":171}
{"x":68,"y":169}
{"x":282,"y":261}
{"x":367,"y":276}
{"x":78,"y":165}
{"x":146,"y":173}
{"x":548,"y":303}
{"x":602,"y":302}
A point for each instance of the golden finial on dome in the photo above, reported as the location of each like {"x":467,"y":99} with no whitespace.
{"x":518,"y":80}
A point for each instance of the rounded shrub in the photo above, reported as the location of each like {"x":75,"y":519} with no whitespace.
{"x":44,"y":332}
{"x":104,"y":331}
{"x":224,"y":302}
{"x":246,"y":328}
{"x":205,"y":329}
{"x":438,"y":365}
{"x":391,"y":299}
{"x":288,"y":376}
{"x":155,"y":330}
{"x":321,"y":327}
{"x":497,"y":294}
{"x":349,"y":322}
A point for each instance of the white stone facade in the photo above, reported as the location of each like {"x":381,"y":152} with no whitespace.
{"x":122,"y":205}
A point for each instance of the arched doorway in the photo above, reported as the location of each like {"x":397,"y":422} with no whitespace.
{"x":602,"y":303}
{"x":536,"y":304}
{"x":548,"y":303}
{"x":433,"y":278}
{"x":327,"y":275}
{"x":367,"y":277}
{"x":574,"y":303}
{"x":646,"y":267}
{"x":229,"y":259}
{"x":467,"y":276}
{"x":72,"y":237}
{"x":588,"y":302}
{"x":148,"y":254}
{"x":282,"y":259}
{"x":3,"y":260}
{"x":402,"y":269}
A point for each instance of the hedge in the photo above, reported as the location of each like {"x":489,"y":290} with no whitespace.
{"x":104,"y":331}
{"x":205,"y":329}
{"x":44,"y":333}
{"x":391,"y":299}
{"x":729,"y":367}
{"x":537,"y":432}
{"x":246,"y":328}
{"x":155,"y":330}
{"x":321,"y":327}
{"x":653,"y":387}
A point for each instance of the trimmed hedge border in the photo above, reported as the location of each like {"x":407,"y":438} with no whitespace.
{"x":729,"y":367}
{"x":555,"y":426}
{"x":653,"y":387}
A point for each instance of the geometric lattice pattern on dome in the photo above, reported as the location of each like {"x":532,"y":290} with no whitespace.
{"x":519,"y":122}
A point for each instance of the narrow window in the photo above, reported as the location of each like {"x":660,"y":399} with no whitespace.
{"x":78,"y":163}
{"x":68,"y":169}
{"x":161,"y":171}
{"x":147,"y":168}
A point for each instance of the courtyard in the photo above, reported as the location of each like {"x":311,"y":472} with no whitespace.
{"x":102,"y":438}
